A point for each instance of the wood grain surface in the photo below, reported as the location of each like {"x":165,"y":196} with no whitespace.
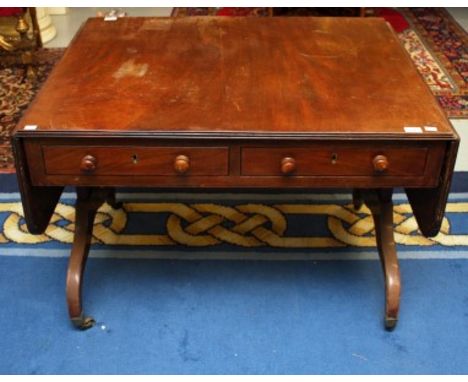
{"x":244,"y":76}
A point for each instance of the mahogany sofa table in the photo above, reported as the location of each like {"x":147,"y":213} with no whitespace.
{"x":235,"y":103}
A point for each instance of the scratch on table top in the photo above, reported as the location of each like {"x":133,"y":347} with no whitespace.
{"x":130,"y":69}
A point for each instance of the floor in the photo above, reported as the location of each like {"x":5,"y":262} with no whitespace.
{"x":461,"y":15}
{"x":216,"y":317}
{"x":461,"y":125}
{"x":67,"y":25}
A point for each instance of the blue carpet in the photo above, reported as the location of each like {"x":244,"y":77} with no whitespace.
{"x":241,"y":317}
{"x":233,"y":317}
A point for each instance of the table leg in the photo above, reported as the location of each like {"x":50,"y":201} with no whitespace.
{"x":381,"y":206}
{"x":87,"y":203}
{"x":110,"y":199}
{"x":357,"y":199}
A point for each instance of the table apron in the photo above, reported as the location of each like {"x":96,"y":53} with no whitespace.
{"x":147,"y":163}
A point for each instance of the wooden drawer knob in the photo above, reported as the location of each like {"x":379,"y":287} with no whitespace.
{"x":288,"y":165}
{"x":380,"y":163}
{"x":88,"y":164}
{"x":181,"y":164}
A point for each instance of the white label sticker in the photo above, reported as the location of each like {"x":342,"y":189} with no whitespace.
{"x":430,"y":128}
{"x":412,"y":129}
{"x":110,"y":18}
{"x":30,"y":127}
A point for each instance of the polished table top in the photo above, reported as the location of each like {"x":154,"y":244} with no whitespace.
{"x":248,"y":76}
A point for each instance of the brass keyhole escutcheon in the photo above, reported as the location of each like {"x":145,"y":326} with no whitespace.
{"x":135,"y":159}
{"x":334,"y":158}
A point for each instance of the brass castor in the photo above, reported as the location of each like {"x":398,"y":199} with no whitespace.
{"x":390,"y":323}
{"x":81,"y":322}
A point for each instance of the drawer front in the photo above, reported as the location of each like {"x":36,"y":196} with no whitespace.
{"x":137,"y":161}
{"x":339,"y":161}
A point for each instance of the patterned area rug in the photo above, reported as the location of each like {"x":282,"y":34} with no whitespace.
{"x":313,"y":226}
{"x":436,"y":43}
{"x":16,"y":92}
{"x":439,"y":48}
